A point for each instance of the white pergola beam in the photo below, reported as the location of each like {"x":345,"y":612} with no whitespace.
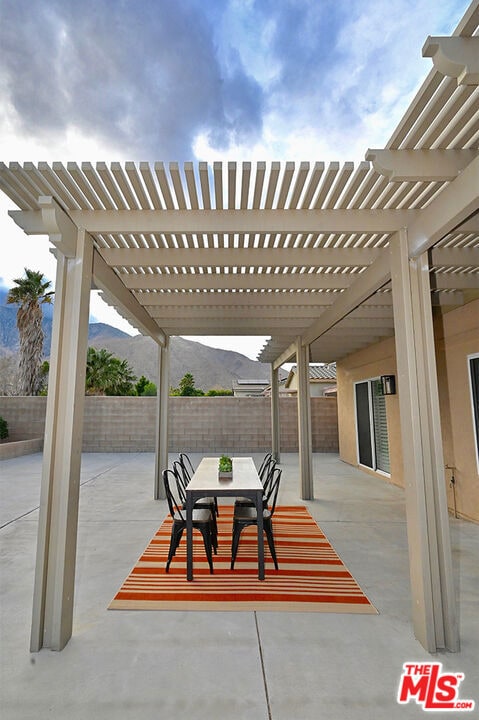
{"x":237,"y":257}
{"x":420,"y":165}
{"x":455,"y":257}
{"x":453,"y":206}
{"x":456,"y":57}
{"x":254,"y":326}
{"x":230,"y":326}
{"x":455,"y":281}
{"x":107,"y":280}
{"x":241,"y":221}
{"x":285,"y":356}
{"x":281,"y":314}
{"x":237,"y":281}
{"x":367,"y":283}
{"x":254,"y":299}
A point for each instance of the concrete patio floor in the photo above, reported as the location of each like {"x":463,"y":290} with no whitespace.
{"x":152,"y":665}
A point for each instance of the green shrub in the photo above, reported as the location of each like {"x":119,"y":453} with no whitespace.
{"x":149,"y":390}
{"x":3,"y":428}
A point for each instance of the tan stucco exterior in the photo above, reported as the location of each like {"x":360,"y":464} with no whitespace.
{"x":457,"y":338}
{"x":317,"y":387}
{"x":369,"y":363}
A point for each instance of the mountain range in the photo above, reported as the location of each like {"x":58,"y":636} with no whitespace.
{"x":211,"y":368}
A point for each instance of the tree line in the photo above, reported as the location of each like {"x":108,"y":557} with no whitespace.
{"x":105,"y":373}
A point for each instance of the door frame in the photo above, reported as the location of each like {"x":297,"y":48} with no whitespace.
{"x":372,"y":433}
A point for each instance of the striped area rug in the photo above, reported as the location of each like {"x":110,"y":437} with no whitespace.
{"x":311,"y":576}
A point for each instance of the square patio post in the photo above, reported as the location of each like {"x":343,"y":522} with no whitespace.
{"x":52,"y":616}
{"x":304,"y":422}
{"x":430,"y":560}
{"x":275,"y":422}
{"x":161,"y":456}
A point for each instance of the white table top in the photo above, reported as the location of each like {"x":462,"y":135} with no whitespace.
{"x":245,"y":476}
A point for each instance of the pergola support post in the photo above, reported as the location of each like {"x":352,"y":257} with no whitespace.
{"x":433,"y":601}
{"x":52,"y":616}
{"x":304,"y":423}
{"x":161,"y":457}
{"x":275,"y":422}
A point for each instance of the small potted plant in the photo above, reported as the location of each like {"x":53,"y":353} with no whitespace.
{"x":225,"y":468}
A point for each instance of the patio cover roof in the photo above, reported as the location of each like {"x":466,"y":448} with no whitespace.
{"x":303,"y":252}
{"x":285,"y":250}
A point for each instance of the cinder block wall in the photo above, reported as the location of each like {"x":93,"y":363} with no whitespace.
{"x":25,"y":416}
{"x":217,"y":424}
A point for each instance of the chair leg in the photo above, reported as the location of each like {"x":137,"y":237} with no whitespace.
{"x":205,"y":531}
{"x":268,"y":528}
{"x":234,"y":543}
{"x":214,"y":534}
{"x":176,"y":533}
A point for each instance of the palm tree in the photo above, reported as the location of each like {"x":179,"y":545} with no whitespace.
{"x":30,"y":293}
{"x":107,"y":374}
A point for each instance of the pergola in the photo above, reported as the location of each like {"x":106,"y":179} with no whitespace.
{"x":323,"y":259}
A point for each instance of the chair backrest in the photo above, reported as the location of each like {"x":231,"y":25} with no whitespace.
{"x":186,"y":464}
{"x":181,"y":479}
{"x":270,"y":467}
{"x":273,"y":488}
{"x":264,"y":464}
{"x":174,"y":506}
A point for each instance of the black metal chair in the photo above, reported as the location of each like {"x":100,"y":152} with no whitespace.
{"x":244,"y":516}
{"x":188,"y":471}
{"x":182,"y":479}
{"x":202,"y":521}
{"x":187,"y":465}
{"x":268,"y":458}
{"x":265,"y":473}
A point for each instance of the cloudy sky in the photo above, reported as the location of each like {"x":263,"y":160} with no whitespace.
{"x":178,"y":80}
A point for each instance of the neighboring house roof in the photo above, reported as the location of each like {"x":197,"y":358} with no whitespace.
{"x":263,"y":383}
{"x":316,"y":373}
{"x":250,"y":387}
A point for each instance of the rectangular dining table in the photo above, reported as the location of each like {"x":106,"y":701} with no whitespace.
{"x":245,"y":482}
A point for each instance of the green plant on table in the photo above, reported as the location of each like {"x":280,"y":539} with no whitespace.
{"x":225,"y":464}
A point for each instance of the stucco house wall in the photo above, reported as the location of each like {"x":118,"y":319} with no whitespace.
{"x":371,"y":362}
{"x":457,"y":337}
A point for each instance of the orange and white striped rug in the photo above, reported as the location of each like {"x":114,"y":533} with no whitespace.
{"x":311,"y":576}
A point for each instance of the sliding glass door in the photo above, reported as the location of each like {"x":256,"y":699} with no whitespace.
{"x":371,"y":426}
{"x":474,"y":380}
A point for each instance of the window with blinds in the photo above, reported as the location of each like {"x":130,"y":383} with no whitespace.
{"x":381,"y":439}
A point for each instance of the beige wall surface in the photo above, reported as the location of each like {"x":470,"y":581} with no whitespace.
{"x":217,"y":424}
{"x":379,"y":359}
{"x":457,"y":337}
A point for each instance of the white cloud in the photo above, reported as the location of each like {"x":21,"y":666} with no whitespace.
{"x":242,"y":80}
